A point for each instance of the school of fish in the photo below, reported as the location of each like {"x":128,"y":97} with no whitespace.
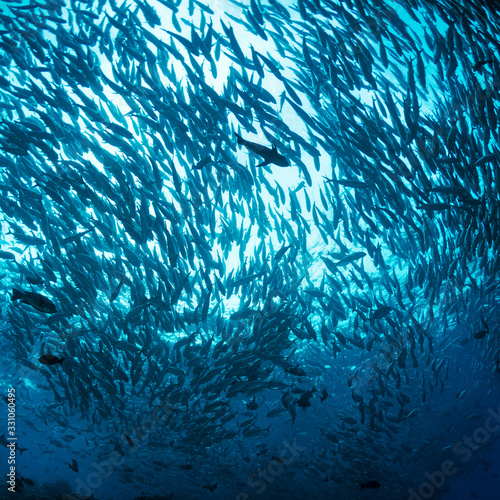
{"x":248,"y":250}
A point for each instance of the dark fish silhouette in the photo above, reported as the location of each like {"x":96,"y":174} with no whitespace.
{"x":303,"y":401}
{"x":484,"y":331}
{"x":73,"y":465}
{"x":252,"y":405}
{"x":370,"y":485}
{"x":39,"y":302}
{"x":296,"y":370}
{"x":28,"y":481}
{"x":50,"y":359}
{"x":4,"y":442}
{"x":269,"y":155}
{"x":481,"y":333}
{"x":210,"y":487}
{"x":481,"y":63}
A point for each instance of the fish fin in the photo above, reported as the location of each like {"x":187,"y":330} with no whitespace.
{"x":240,"y":139}
{"x":264,"y":163}
{"x":16,"y":294}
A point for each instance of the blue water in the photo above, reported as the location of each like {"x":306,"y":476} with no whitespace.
{"x":482,"y":483}
{"x":308,"y":311}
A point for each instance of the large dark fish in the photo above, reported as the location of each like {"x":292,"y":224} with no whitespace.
{"x":39,"y":302}
{"x":269,"y":155}
{"x":50,"y":359}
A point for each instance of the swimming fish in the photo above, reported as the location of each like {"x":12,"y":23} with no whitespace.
{"x":73,"y":465}
{"x":210,"y":487}
{"x":270,"y":155}
{"x":36,"y":300}
{"x":370,"y":485}
{"x":50,"y":359}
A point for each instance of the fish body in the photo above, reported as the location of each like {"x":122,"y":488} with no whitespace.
{"x":36,"y":300}
{"x":50,"y":359}
{"x":252,"y":405}
{"x":270,"y":155}
{"x":296,"y":370}
{"x":210,"y":487}
{"x":73,"y":465}
{"x":370,"y":485}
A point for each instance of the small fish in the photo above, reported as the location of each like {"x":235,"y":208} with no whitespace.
{"x":281,"y":252}
{"x":5,"y":442}
{"x":160,"y":463}
{"x":481,"y":333}
{"x":288,"y":404}
{"x":202,"y":163}
{"x":370,"y":485}
{"x":28,"y":481}
{"x":381,"y":312}
{"x":50,"y":359}
{"x":347,"y":182}
{"x":186,"y":467}
{"x":129,"y":440}
{"x":74,"y":465}
{"x":324,"y":395}
{"x":295,"y":370}
{"x":39,"y":302}
{"x":210,"y":487}
{"x":269,"y":155}
{"x":75,"y":237}
{"x":116,"y":291}
{"x":481,"y":63}
{"x":7,"y":255}
{"x":484,"y":331}
{"x":303,"y":401}
{"x":252,"y":405}
{"x":119,"y":449}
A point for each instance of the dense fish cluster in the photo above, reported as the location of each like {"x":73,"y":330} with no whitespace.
{"x":249,"y":250}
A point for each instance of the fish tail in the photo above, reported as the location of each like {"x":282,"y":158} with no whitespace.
{"x":16,"y":294}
